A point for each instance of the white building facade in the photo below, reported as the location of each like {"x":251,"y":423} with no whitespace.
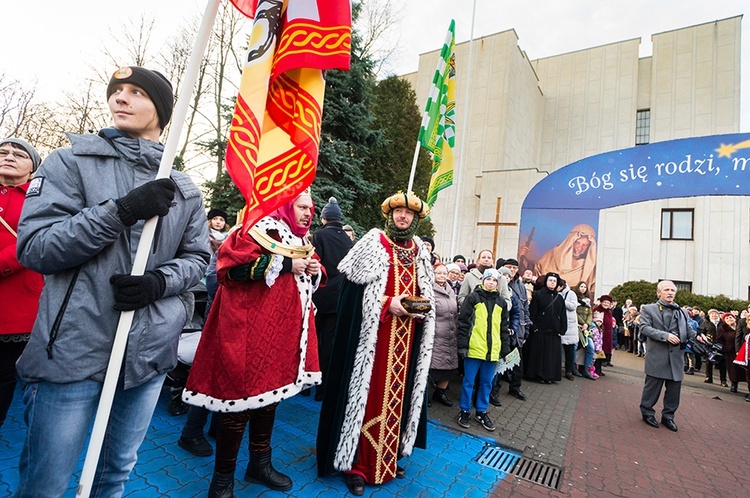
{"x":529,"y":118}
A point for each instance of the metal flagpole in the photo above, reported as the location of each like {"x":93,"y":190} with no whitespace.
{"x":457,"y":176}
{"x":141,"y":255}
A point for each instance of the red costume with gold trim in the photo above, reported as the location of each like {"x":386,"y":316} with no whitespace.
{"x":373,"y":406}
{"x":259,"y":344}
{"x":378,"y":442}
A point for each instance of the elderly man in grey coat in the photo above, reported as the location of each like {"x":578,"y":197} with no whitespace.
{"x":665,"y":324}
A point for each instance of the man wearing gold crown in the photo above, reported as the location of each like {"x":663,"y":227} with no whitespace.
{"x":373,"y":408}
{"x":259,"y":344}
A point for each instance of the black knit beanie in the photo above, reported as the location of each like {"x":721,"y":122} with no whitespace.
{"x":331,"y":211}
{"x":158,"y":88}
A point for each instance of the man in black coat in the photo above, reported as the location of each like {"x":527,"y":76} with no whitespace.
{"x":708,"y":328}
{"x":331,"y":244}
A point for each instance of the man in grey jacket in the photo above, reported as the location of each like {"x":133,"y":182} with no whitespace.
{"x":485,"y":260}
{"x":80,"y":227}
{"x":665,"y":324}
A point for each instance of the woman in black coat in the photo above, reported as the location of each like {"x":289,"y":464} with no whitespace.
{"x":725,"y":335}
{"x":542,"y":351}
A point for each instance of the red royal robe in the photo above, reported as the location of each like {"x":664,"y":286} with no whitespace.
{"x":259,"y":344}
{"x":381,"y":427}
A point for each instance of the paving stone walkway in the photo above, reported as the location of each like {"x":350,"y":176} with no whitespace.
{"x":591,"y":430}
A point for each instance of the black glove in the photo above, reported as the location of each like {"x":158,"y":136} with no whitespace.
{"x":135,"y":292}
{"x":142,"y":203}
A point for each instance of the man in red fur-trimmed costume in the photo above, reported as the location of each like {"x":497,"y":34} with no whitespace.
{"x":259,"y":344}
{"x":373,"y":408}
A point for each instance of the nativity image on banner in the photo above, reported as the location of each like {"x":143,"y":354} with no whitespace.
{"x":561,"y":241}
{"x":560,"y":215}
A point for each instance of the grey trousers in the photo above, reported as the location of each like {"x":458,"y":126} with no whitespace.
{"x":651,"y":392}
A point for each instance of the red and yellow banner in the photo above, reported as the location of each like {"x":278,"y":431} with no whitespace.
{"x":272,"y":151}
{"x":247,"y":7}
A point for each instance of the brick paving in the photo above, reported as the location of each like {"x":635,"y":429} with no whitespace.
{"x":591,"y":430}
{"x":612,"y":452}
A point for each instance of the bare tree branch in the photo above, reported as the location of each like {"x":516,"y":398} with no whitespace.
{"x":378,"y":29}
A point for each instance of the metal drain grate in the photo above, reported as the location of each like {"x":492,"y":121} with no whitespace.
{"x":537,"y":472}
{"x":498,"y":459}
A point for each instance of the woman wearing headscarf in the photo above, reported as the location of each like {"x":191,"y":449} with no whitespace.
{"x":543,"y":349}
{"x":444,"y":364}
{"x":259,"y":345}
{"x":573,"y":259}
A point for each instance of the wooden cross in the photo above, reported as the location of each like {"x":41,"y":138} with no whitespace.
{"x":497,"y":224}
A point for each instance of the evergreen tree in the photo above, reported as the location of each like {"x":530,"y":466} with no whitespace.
{"x":348,"y":136}
{"x":224,"y":194}
{"x":398,"y":119}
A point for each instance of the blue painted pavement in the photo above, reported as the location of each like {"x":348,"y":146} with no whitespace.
{"x":447,"y":468}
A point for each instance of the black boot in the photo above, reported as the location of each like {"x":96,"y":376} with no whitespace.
{"x":440,"y":396}
{"x":222,"y":486}
{"x":598,"y":367}
{"x":261,"y":471}
{"x":6,"y":397}
{"x":177,"y":407}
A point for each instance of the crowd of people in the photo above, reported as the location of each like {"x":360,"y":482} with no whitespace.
{"x":369,"y":324}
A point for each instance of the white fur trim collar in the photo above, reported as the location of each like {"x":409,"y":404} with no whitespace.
{"x":367,"y":264}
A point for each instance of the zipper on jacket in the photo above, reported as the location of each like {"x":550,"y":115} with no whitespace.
{"x":61,"y":312}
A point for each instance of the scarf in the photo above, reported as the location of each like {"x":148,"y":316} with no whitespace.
{"x":401,"y":235}
{"x":677,"y":318}
{"x":285,"y":213}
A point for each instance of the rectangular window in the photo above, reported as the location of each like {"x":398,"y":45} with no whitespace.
{"x":683,"y":286}
{"x":642,"y":126}
{"x":677,"y":224}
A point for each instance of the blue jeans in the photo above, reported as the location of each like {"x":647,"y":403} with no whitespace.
{"x":486,"y":371}
{"x":59,"y":419}
{"x":588,"y":354}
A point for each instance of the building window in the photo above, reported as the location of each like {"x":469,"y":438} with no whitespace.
{"x":683,"y":286}
{"x":677,"y":224}
{"x":642,"y":126}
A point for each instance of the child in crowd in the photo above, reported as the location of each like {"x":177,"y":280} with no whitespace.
{"x":596,"y":336}
{"x":483,"y":337}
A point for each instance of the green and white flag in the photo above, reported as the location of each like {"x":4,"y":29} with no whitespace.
{"x":437,"y":132}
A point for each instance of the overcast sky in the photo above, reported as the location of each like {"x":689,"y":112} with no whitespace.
{"x":50,"y":41}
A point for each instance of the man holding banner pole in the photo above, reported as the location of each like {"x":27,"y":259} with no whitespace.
{"x":82,"y":220}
